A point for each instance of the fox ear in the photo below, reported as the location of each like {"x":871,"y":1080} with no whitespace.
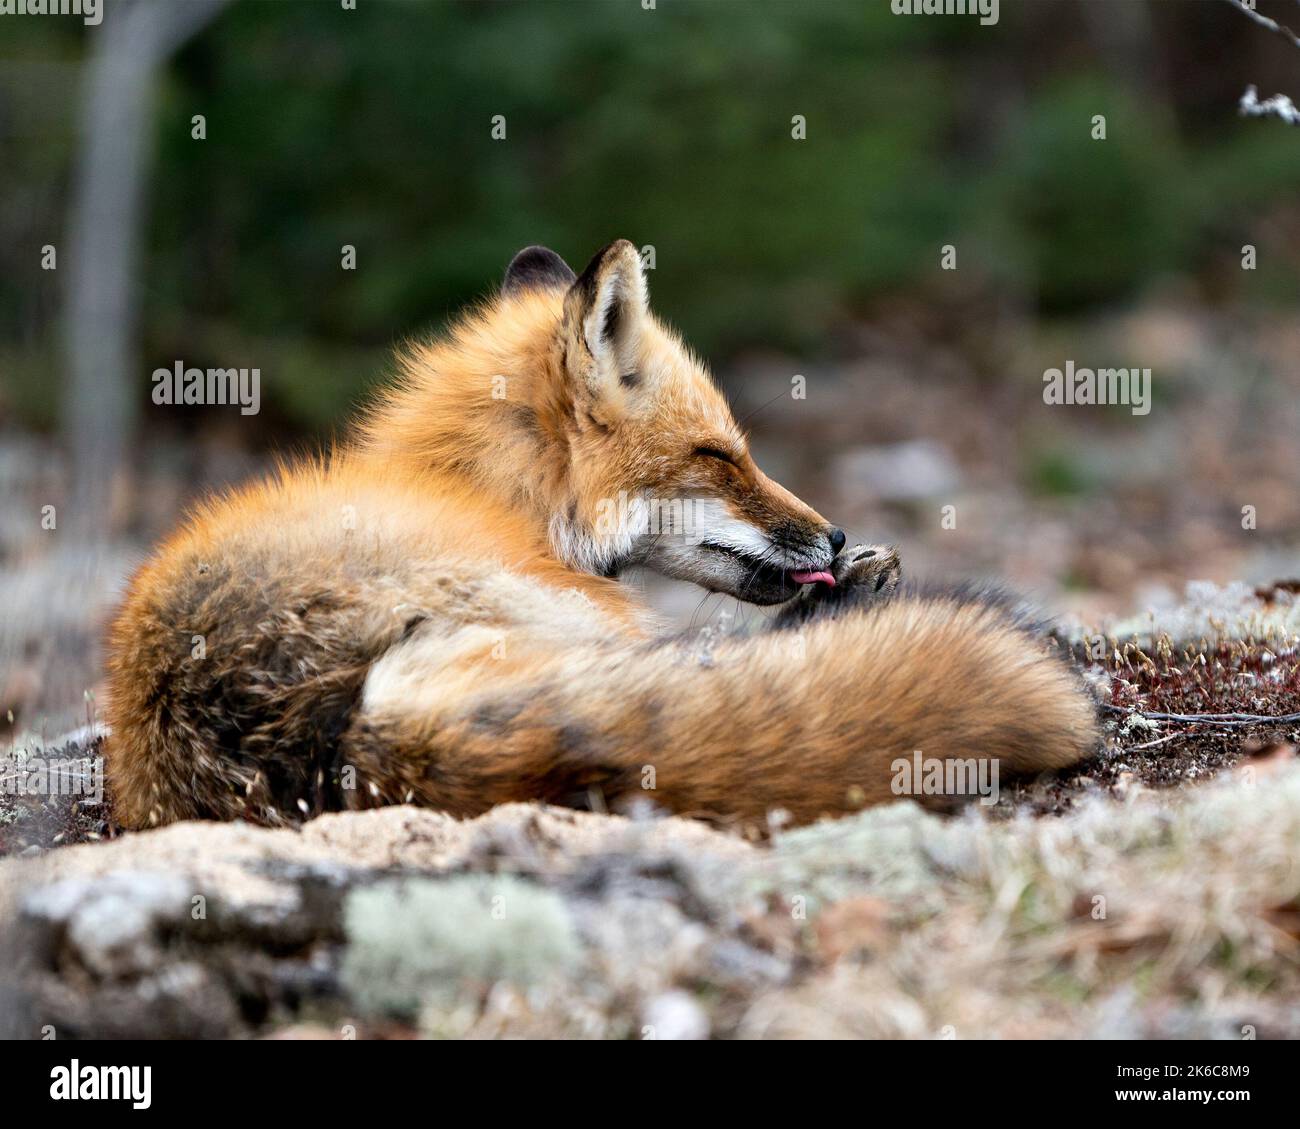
{"x":536,"y":268}
{"x":604,"y":311}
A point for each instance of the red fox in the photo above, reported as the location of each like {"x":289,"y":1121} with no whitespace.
{"x":430,"y":612}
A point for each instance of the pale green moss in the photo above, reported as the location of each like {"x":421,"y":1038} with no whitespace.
{"x":1162,"y":894}
{"x":422,"y":940}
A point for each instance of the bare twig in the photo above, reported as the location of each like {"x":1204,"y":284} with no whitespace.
{"x":1226,"y":720}
{"x":1153,"y":744}
{"x":1263,"y":21}
{"x":1279,"y":106}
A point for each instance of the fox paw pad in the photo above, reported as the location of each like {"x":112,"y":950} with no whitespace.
{"x":872,"y":569}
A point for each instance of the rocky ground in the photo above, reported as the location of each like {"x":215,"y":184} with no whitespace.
{"x":1149,"y":891}
{"x":1140,"y":915}
{"x":1153,"y":891}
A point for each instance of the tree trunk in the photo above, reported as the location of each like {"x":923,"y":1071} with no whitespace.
{"x":107,"y":204}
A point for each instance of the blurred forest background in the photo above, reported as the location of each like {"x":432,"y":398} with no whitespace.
{"x":372,"y":128}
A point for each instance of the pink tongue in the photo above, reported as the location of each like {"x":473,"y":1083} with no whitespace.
{"x":805,"y":577}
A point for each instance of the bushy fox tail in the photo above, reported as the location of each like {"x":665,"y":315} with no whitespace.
{"x":811,"y":719}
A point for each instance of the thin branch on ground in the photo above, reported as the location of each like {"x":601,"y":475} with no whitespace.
{"x":1153,"y":744}
{"x":1226,"y":720}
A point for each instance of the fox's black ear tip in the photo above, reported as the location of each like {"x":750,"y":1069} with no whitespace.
{"x":610,"y":250}
{"x":614,"y":249}
{"x":537,"y":268}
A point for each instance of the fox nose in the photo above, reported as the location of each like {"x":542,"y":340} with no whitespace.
{"x":836,"y":538}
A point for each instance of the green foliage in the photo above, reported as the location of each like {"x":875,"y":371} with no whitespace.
{"x":671,"y":131}
{"x":1090,"y":219}
{"x":672,"y":127}
{"x":1054,"y":472}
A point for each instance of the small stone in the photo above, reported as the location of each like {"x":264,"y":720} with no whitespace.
{"x":675,"y":1015}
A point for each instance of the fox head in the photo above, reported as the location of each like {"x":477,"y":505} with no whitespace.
{"x":657,"y":472}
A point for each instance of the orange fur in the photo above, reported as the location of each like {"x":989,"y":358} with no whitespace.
{"x":417,"y":616}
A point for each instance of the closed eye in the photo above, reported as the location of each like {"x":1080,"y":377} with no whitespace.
{"x":714,"y":453}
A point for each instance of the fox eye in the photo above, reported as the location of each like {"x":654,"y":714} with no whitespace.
{"x":714,"y":453}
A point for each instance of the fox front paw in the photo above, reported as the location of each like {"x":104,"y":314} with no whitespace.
{"x":872,"y":571}
{"x":865,"y":575}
